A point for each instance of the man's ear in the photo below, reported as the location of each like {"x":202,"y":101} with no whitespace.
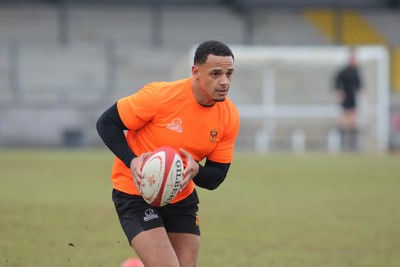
{"x":195,"y":72}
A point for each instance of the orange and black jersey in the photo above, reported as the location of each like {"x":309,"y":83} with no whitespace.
{"x":166,"y":113}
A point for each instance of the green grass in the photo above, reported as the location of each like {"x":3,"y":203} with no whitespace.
{"x":275,"y":210}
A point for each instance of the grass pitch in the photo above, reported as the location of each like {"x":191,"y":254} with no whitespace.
{"x":273,"y":210}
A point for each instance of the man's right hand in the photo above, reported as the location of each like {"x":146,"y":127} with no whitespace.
{"x":136,"y":169}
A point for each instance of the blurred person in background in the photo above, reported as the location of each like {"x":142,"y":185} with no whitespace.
{"x":348,"y":85}
{"x":193,"y":115}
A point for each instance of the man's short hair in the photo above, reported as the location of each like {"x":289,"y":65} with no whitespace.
{"x":211,"y":47}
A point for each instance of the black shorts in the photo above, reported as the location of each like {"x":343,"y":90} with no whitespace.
{"x":349,"y":103}
{"x":136,"y":215}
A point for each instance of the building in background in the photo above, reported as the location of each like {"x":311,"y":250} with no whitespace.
{"x":62,"y":62}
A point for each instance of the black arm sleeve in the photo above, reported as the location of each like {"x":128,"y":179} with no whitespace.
{"x":211,"y":175}
{"x":111,"y":130}
{"x":338,"y":83}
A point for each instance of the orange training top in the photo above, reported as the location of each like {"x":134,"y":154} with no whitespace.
{"x":167,"y":114}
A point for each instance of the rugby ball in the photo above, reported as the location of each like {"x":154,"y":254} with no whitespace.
{"x":132,"y":262}
{"x":162,"y":176}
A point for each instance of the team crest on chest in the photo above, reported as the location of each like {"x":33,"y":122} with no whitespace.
{"x":213,"y":135}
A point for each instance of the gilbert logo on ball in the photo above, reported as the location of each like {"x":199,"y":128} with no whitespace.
{"x":162,"y":176}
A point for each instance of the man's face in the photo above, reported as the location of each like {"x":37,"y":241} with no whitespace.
{"x":214,"y":78}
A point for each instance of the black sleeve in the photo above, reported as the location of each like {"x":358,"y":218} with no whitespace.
{"x":211,"y":175}
{"x":338,"y":83}
{"x":111,"y":130}
{"x":357,"y":80}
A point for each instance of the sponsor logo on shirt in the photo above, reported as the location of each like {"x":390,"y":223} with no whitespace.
{"x":175,"y":125}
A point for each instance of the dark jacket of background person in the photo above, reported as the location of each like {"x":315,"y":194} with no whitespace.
{"x":349,"y":82}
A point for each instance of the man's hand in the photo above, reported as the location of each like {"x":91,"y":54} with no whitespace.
{"x":340,"y":96}
{"x":136,"y":169}
{"x":191,"y":170}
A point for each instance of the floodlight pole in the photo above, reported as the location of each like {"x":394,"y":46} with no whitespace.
{"x":338,"y":22}
{"x":63,"y":23}
{"x":156,"y":24}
